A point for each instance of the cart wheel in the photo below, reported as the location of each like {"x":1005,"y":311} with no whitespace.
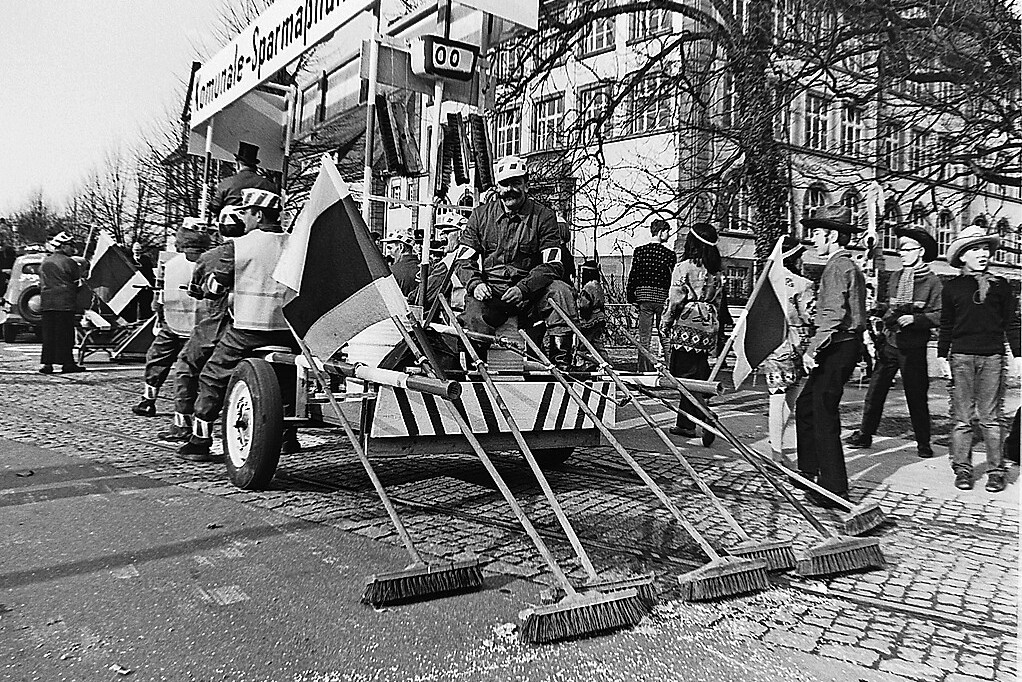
{"x":549,"y":458}
{"x":253,"y":424}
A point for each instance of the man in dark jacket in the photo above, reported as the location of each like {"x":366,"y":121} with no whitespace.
{"x":401,"y":249}
{"x":229,"y":190}
{"x":912,"y":310}
{"x":59,"y":279}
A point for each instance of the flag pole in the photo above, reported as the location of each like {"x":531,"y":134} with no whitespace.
{"x":374,"y":65}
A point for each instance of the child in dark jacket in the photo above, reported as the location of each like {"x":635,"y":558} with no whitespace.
{"x":592,"y":312}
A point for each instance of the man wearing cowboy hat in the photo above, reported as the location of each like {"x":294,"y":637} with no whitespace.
{"x":229,"y":190}
{"x":912,"y":310}
{"x":400,"y":248}
{"x":979,"y":313}
{"x":648,"y":283}
{"x":832,"y":352}
{"x":59,"y":280}
{"x":246,"y":269}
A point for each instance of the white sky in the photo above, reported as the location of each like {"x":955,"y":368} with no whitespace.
{"x":80,"y":77}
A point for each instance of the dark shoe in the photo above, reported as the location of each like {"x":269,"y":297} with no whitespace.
{"x":708,"y":437}
{"x":684,"y":433}
{"x":996,"y":482}
{"x":197,"y":450}
{"x":858,"y":439}
{"x":925,"y":451}
{"x":819,"y":500}
{"x":46,"y":369}
{"x":963,"y":480}
{"x":146,"y":408}
{"x":175,"y":434}
{"x":290,"y":445}
{"x":71,"y":369}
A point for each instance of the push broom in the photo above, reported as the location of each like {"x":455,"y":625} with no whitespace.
{"x":722,"y":576}
{"x":419,"y":579}
{"x":778,"y":555}
{"x":836,"y":554}
{"x":860,"y":518}
{"x":576,"y":614}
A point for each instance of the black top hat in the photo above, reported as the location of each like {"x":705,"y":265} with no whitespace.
{"x":248,"y":154}
{"x":834,"y":217}
{"x":926,"y":241}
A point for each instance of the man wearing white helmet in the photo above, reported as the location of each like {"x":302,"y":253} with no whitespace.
{"x":245,"y":268}
{"x":515,"y":252}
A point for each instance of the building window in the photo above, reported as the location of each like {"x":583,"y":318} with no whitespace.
{"x":547,"y":122}
{"x":739,"y":8}
{"x":736,"y":284}
{"x":509,"y":62}
{"x":649,"y":104}
{"x":853,"y":202}
{"x":727,"y":98}
{"x":918,"y":150}
{"x":892,"y":218}
{"x":648,"y":23}
{"x":817,"y":109}
{"x":815,"y":196}
{"x":739,"y":214}
{"x":917,"y":218}
{"x":599,"y":35}
{"x":1010,"y":242}
{"x":894,"y":147}
{"x":593,"y":106}
{"x":851,"y":130}
{"x":509,"y":132}
{"x":782,"y":114}
{"x":945,"y":232}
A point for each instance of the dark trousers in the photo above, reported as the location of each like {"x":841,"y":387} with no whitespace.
{"x":818,"y":417}
{"x":914,"y":376}
{"x":58,"y":331}
{"x":160,"y":357}
{"x":234,"y":346}
{"x":689,"y":365}
{"x":192,"y":359}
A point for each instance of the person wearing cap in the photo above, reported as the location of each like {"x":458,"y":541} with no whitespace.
{"x":592,"y":306}
{"x":648,"y":282}
{"x":691,"y":316}
{"x":832,"y":352}
{"x":257,"y":319}
{"x":783,"y":368}
{"x":401,"y":250}
{"x":59,"y":281}
{"x":229,"y":191}
{"x":443,"y":259}
{"x":511,"y":257}
{"x":176,"y":312}
{"x":979,"y":315}
{"x":911,"y":311}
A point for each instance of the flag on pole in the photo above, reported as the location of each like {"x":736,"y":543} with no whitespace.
{"x":764,"y":326}
{"x":339,"y":283}
{"x":112,"y":274}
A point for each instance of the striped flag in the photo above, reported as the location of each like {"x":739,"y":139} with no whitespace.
{"x":112,"y":274}
{"x":764,"y":326}
{"x":339,"y":283}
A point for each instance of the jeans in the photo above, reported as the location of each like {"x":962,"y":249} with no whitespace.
{"x":977,"y":387}
{"x":914,"y":376}
{"x":649,"y":318}
{"x":689,"y":365}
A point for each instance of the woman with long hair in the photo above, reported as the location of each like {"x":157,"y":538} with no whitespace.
{"x":783,"y":368}
{"x":691,"y":318}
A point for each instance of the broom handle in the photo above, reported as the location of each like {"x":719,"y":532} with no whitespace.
{"x":548,"y":492}
{"x":630,"y":397}
{"x":650,"y":483}
{"x":719,"y":428}
{"x":324,"y":382}
{"x":466,"y":431}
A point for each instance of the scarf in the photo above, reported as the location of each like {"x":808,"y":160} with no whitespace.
{"x":906,"y":283}
{"x":984,"y":279}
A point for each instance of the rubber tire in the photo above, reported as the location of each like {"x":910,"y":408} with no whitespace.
{"x":551,"y":458}
{"x":255,"y":471}
{"x":26,"y":312}
{"x":10,"y":332}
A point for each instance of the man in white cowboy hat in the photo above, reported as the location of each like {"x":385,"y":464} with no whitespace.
{"x":245,"y":268}
{"x":832,"y":352}
{"x":400,"y":248}
{"x":979,"y":314}
{"x":512,"y":254}
{"x":229,"y":190}
{"x":649,"y":281}
{"x":59,"y":280}
{"x":911,"y":311}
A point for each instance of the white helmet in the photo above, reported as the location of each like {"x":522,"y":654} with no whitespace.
{"x":510,"y":167}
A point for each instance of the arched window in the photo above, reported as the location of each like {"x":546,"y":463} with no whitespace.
{"x":853,"y":201}
{"x":892,"y":218}
{"x":815,"y":195}
{"x":918,"y":217}
{"x":945,"y":231}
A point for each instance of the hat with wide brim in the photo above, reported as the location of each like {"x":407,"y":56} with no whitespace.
{"x":405,"y":238}
{"x":837,"y":217}
{"x":924,"y":239}
{"x":966,"y":239}
{"x":259,"y":198}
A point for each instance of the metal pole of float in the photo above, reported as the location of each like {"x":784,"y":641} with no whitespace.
{"x":204,"y":197}
{"x":374,"y":67}
{"x":289,"y":115}
{"x":484,"y":83}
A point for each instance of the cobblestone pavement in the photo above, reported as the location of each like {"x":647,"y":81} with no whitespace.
{"x":945,"y":607}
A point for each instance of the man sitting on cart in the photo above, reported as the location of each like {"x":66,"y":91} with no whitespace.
{"x":246,"y":268}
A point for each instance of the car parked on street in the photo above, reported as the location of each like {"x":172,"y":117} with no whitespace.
{"x":22,"y":300}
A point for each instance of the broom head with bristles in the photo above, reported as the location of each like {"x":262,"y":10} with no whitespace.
{"x":778,"y":555}
{"x":863,"y":518}
{"x":582,"y":615}
{"x":841,"y":554}
{"x":643,"y":584}
{"x":420,"y":581}
{"x":725,"y":577}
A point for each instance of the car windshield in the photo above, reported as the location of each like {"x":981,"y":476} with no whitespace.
{"x":30,"y":269}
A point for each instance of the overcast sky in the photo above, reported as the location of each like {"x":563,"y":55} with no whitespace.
{"x":79,"y":77}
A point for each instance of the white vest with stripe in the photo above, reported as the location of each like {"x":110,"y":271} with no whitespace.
{"x":178,"y":307}
{"x":258,"y":298}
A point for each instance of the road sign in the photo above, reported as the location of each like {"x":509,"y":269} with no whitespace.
{"x":444,"y":58}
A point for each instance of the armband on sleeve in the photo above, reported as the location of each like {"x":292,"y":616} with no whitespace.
{"x":552,"y":255}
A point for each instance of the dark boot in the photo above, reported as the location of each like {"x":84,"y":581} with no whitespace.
{"x":858,"y":439}
{"x":146,"y":408}
{"x":175,"y":434}
{"x":197,"y":450}
{"x":289,"y":444}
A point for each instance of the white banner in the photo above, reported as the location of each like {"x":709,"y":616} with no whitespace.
{"x":522,"y":12}
{"x":285,"y":30}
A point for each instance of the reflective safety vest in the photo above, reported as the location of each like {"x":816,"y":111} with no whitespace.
{"x":258,"y":298}
{"x":179,"y":309}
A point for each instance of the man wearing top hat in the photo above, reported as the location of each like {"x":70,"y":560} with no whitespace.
{"x":229,"y":190}
{"x":979,"y":315}
{"x":911,"y":311}
{"x":832,"y":352}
